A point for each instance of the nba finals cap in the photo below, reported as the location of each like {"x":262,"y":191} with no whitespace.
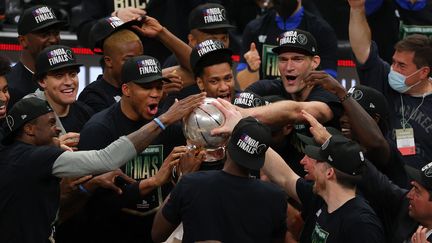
{"x":142,"y":70}
{"x":209,"y":16}
{"x":249,"y":100}
{"x":207,"y":53}
{"x":371,"y":100}
{"x":298,"y":41}
{"x":54,"y":58}
{"x":37,"y":18}
{"x":341,"y":153}
{"x":422,"y":176}
{"x":104,"y":28}
{"x":22,"y":112}
{"x":249,"y":142}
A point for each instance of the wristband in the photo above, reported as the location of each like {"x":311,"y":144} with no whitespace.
{"x":349,"y":94}
{"x":83,"y":190}
{"x":160,"y":124}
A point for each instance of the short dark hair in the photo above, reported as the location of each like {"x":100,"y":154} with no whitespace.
{"x":210,"y":60}
{"x":421,"y":45}
{"x":4,"y":66}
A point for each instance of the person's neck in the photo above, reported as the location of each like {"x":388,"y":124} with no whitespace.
{"x":335,"y":196}
{"x":424,"y":87}
{"x":302,"y":94}
{"x":28,"y":60}
{"x":61,"y":110}
{"x":110,"y":78}
{"x":232,"y":168}
{"x":128,"y":111}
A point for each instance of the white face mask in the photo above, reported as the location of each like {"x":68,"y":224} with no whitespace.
{"x":397,"y":81}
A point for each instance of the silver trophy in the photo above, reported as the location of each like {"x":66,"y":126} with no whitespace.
{"x":198,"y":125}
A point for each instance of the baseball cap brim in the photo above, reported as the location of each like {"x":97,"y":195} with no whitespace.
{"x":59,"y":23}
{"x":216,"y":26}
{"x":314,"y":153}
{"x":224,"y":51}
{"x":250,"y":162}
{"x":281,"y":49}
{"x":37,"y":76}
{"x":153,"y":78}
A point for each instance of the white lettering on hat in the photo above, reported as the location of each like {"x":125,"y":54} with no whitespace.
{"x":212,"y":15}
{"x":115,"y":22}
{"x":148,"y":66}
{"x":23,"y":117}
{"x":244,"y":99}
{"x":361,"y":156}
{"x":59,"y":55}
{"x":250,"y":145}
{"x":357,"y":94}
{"x":290,"y":37}
{"x":207,"y":46}
{"x":42,"y":14}
{"x":427,"y":170}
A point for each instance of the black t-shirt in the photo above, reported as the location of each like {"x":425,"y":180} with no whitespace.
{"x":295,"y":146}
{"x":264,"y":32}
{"x":100,"y":94}
{"x":417,"y":111}
{"x":29,"y":192}
{"x":215,"y":205}
{"x":128,"y":217}
{"x":79,"y":114}
{"x":354,"y":221}
{"x":20,"y":83}
{"x":389,"y":202}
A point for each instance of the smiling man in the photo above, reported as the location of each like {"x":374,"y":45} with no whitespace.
{"x":57,"y":73}
{"x":212,"y":66}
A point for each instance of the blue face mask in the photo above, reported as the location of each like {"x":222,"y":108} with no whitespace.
{"x":397,"y":81}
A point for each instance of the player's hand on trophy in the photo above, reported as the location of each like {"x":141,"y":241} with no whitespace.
{"x":191,"y":160}
{"x":232,"y":117}
{"x":164,"y":173}
{"x":182,"y":108}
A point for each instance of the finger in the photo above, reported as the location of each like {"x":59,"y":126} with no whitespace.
{"x":82,"y":180}
{"x":115,"y":188}
{"x":252,"y":47}
{"x":127,"y":178}
{"x":174,"y":162}
{"x":311,"y":119}
{"x":219,"y":131}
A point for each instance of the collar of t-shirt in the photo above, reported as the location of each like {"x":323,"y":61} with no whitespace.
{"x":408,"y":5}
{"x":292,"y":22}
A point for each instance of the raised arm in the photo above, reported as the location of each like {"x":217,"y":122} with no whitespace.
{"x":280,"y":173}
{"x":359,"y":31}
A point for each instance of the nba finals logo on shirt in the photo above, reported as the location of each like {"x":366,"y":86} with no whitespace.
{"x":250,"y":145}
{"x":208,"y":46}
{"x":42,"y":14}
{"x":114,"y":22}
{"x":148,"y":66}
{"x":212,"y":15}
{"x":59,"y":56}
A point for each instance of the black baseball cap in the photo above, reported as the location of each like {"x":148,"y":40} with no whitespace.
{"x":23,"y":111}
{"x":249,"y":142}
{"x":341,"y":153}
{"x":422,"y":176}
{"x":298,"y":41}
{"x":206,"y":51}
{"x":104,"y":28}
{"x":371,"y":100}
{"x":37,"y":18}
{"x":249,"y":100}
{"x":53,"y":58}
{"x":141,"y":70}
{"x":209,"y":16}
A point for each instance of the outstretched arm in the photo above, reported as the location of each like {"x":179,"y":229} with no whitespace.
{"x":359,"y":31}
